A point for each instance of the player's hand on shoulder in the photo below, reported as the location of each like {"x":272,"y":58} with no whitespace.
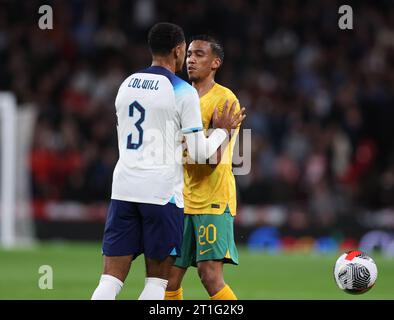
{"x":228,"y":120}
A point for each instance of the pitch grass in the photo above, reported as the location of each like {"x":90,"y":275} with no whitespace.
{"x":260,"y":276}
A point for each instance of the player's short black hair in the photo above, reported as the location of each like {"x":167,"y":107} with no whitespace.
{"x":164,"y":36}
{"x":216,"y":46}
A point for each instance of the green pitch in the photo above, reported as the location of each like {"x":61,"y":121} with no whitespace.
{"x":77,"y":267}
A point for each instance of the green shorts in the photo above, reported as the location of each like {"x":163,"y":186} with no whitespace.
{"x":208,"y":237}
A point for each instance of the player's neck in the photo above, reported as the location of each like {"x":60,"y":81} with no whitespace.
{"x":203,"y":86}
{"x":164,"y":62}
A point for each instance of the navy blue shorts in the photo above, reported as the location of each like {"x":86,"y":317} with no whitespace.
{"x":135,"y":228}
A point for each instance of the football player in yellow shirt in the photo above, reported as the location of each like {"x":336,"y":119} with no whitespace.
{"x":209,"y":189}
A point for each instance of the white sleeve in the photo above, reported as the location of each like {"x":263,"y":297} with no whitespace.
{"x":189,"y":110}
{"x":201,"y":148}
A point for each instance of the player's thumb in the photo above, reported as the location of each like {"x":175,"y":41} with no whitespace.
{"x":215,"y":116}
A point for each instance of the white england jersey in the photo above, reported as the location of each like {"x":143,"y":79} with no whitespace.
{"x":153,"y":108}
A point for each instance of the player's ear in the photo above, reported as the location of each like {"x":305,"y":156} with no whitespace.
{"x":176,"y":51}
{"x":216,"y":63}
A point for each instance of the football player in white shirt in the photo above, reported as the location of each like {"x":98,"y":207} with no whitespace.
{"x":154,"y":109}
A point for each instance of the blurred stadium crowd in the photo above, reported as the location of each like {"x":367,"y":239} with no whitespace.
{"x":320,"y":100}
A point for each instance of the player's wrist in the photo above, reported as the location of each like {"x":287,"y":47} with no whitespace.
{"x":223,"y":132}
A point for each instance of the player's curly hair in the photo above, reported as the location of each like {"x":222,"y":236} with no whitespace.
{"x":163,"y":37}
{"x":216,"y":46}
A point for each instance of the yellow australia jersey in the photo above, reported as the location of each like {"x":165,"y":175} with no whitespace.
{"x":208,"y":189}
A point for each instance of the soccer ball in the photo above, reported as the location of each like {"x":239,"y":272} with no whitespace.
{"x":355,"y":272}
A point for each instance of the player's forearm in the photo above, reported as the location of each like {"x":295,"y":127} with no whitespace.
{"x":223,"y":149}
{"x":201,"y":148}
